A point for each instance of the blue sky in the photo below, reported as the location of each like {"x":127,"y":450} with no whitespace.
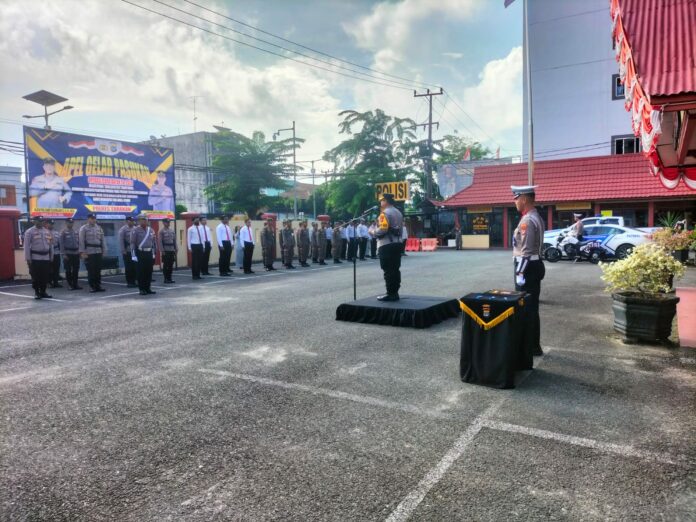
{"x":130,"y":73}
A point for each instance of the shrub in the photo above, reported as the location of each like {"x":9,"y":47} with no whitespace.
{"x":670,"y":240}
{"x":649,"y":269}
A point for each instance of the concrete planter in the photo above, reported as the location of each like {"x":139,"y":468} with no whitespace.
{"x":647,"y":318}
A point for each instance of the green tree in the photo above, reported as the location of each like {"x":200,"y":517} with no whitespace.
{"x":452,"y":148}
{"x":179,"y":209}
{"x":378,"y":148}
{"x":244,"y":166}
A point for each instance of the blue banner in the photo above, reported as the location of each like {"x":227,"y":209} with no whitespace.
{"x":69,"y":175}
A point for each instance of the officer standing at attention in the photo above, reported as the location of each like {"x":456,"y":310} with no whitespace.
{"x":288,"y":242}
{"x":166,"y":242}
{"x":336,"y":244}
{"x":223,"y":233}
{"x":314,"y":240}
{"x":321,"y":243}
{"x":143,"y":247}
{"x":38,"y":252}
{"x":70,"y":249}
{"x":92,"y":248}
{"x":268,"y":244}
{"x":352,"y":244}
{"x":529,"y":268}
{"x":55,"y":262}
{"x":373,"y":239}
{"x":247,"y":237}
{"x":363,"y":237}
{"x":124,"y":234}
{"x":388,"y":234}
{"x":329,"y":240}
{"x":303,"y":244}
{"x":207,"y":245}
{"x":194,"y":242}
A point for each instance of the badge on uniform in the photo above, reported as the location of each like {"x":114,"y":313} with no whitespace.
{"x":486,"y":311}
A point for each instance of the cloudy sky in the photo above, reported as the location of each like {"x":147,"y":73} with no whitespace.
{"x":131,"y":74}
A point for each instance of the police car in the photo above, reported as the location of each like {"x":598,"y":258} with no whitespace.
{"x":617,"y":241}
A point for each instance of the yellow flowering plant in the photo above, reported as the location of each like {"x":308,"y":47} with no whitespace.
{"x":649,"y":270}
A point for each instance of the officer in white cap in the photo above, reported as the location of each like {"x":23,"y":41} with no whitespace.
{"x":143,"y":243}
{"x":529,"y":268}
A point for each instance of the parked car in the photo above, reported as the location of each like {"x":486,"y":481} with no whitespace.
{"x":613,"y":241}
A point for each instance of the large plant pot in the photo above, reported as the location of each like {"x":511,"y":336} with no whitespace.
{"x":681,"y":255}
{"x":646,"y":318}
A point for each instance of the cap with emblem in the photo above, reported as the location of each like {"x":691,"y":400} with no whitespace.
{"x":129,"y":218}
{"x":142,"y":216}
{"x":166,"y":220}
{"x":519,"y":190}
{"x":69,"y":220}
{"x":50,"y":222}
{"x":577,"y":215}
{"x":38,"y":218}
{"x":92,"y":215}
{"x":387,"y":197}
{"x":49,"y":160}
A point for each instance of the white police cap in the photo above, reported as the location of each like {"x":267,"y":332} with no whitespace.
{"x":518,"y":190}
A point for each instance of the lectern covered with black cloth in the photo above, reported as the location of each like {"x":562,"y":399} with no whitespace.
{"x":492,"y":348}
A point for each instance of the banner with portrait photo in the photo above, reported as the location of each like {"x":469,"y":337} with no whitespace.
{"x":453,"y":177}
{"x":70,"y":175}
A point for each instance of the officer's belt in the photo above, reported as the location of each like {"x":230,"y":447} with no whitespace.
{"x":145,"y":249}
{"x":172,"y":244}
{"x":71,"y":249}
{"x":40,"y":252}
{"x":531,"y":258}
{"x":93,"y":245}
{"x":486,"y":325}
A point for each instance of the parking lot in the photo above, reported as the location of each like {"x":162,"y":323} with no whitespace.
{"x":242,"y":398}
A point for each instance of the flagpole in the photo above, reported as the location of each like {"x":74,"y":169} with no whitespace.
{"x":528,"y":74}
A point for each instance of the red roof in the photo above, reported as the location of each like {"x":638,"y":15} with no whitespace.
{"x":662,"y":37}
{"x":600,"y":178}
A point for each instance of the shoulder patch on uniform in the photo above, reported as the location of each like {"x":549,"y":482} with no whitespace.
{"x":523,"y":228}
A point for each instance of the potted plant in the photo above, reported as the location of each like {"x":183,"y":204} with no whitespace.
{"x":677,"y":243}
{"x":641,"y":285}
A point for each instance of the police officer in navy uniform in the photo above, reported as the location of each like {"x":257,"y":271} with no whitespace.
{"x":38,"y":253}
{"x":70,"y":249}
{"x":143,"y":244}
{"x":527,"y":241}
{"x":388,"y":235}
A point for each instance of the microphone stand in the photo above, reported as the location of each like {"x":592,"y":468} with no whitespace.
{"x":355,"y":257}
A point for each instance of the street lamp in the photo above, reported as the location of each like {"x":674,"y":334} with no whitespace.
{"x":294,"y":163}
{"x":314,"y":190}
{"x":46,"y":99}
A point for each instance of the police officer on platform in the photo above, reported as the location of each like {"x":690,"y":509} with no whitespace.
{"x":70,"y":249}
{"x":143,"y":248}
{"x":166,"y":242}
{"x":527,"y":241}
{"x":388,"y":235}
{"x":92,"y":248}
{"x":38,"y":252}
{"x":124,"y":234}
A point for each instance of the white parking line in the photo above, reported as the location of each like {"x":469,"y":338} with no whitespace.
{"x":32,"y":297}
{"x":13,"y":309}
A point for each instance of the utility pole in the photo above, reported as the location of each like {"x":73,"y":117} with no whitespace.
{"x":528,"y":73}
{"x":314,"y":192}
{"x":195,"y":116}
{"x":429,"y":163}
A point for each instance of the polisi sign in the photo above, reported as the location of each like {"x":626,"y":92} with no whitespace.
{"x":398,"y":188}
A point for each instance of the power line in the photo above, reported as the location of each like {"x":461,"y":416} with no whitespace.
{"x":164,"y":15}
{"x":472,"y":119}
{"x":411,"y":81}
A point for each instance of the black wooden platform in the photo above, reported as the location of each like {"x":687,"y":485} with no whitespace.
{"x":411,"y":310}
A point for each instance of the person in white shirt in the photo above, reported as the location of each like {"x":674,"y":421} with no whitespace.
{"x":404,"y":237}
{"x":224,"y":236}
{"x":344,"y":240}
{"x":194,"y":243}
{"x":246,"y":236}
{"x":372,"y":231}
{"x":207,"y":245}
{"x":329,"y":238}
{"x":352,"y":243}
{"x":363,"y":236}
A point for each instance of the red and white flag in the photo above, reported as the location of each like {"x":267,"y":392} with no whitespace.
{"x":467,"y":154}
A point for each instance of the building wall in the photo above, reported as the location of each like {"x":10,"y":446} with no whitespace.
{"x":192,"y":150}
{"x":15,"y":190}
{"x":572,"y":64}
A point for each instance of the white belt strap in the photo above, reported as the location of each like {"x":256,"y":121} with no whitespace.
{"x":140,"y":246}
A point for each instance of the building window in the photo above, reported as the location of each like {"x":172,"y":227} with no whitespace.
{"x":617,"y":88}
{"x":8,"y":196}
{"x":625,"y":144}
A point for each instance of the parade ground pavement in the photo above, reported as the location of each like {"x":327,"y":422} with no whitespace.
{"x":243,"y":399}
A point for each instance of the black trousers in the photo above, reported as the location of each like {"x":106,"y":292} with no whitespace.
{"x":328,"y":248}
{"x":144,"y":269}
{"x":344,"y":248}
{"x":71,"y":262}
{"x":352,"y":248}
{"x":40,"y":272}
{"x":196,"y":260}
{"x":225,"y":256}
{"x":373,"y":247}
{"x":390,"y":263}
{"x":55,"y":269}
{"x":168,"y":264}
{"x":248,"y":253}
{"x":130,"y":268}
{"x":93,"y":264}
{"x":362,"y":245}
{"x":403,"y":247}
{"x":206,"y":258}
{"x":533,"y":275}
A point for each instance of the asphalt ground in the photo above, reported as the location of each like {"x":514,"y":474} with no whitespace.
{"x":243,"y":399}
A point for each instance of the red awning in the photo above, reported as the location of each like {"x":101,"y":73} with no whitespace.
{"x":655,"y":42}
{"x":619,"y":177}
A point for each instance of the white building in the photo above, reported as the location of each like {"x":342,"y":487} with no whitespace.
{"x":577,"y":101}
{"x":13,"y":190}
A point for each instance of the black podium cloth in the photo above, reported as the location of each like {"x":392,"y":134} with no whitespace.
{"x":410,"y":310}
{"x":492,"y":333}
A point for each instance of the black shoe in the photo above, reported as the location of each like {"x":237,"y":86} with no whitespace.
{"x":150,"y":292}
{"x":315,"y":261}
{"x":37,"y":296}
{"x":304,"y":265}
{"x":131,"y":285}
{"x":93,"y":290}
{"x":46,"y":296}
{"x":197,"y":278}
{"x":101,"y":289}
{"x":373,"y":257}
{"x":168,"y":282}
{"x":322,"y":263}
{"x":142,"y":292}
{"x":388,"y":297}
{"x":337,"y":262}
{"x":77,"y":287}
